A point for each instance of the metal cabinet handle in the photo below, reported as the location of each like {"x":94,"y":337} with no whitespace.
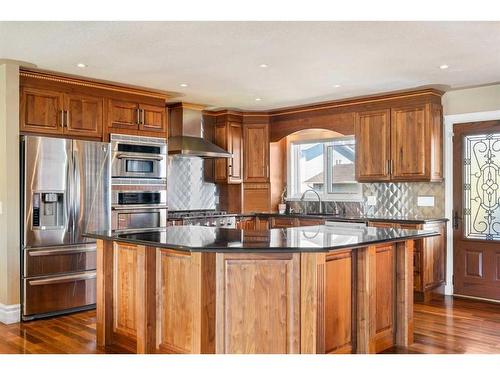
{"x":142,"y":116}
{"x":62,"y":118}
{"x":63,"y":279}
{"x":138,"y":116}
{"x":67,"y":119}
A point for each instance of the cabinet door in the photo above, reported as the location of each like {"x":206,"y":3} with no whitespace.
{"x":373,"y":145}
{"x":256,"y":197}
{"x":83,"y":115}
{"x":434,"y":257}
{"x":123,"y":115}
{"x":256,"y":156}
{"x":235,"y":133}
{"x":41,"y":110}
{"x":410,"y":141}
{"x":220,"y":139}
{"x":153,"y":118}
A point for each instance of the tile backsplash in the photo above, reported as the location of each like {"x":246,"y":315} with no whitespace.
{"x":402,"y":198}
{"x":390,"y":199}
{"x":186,"y":188}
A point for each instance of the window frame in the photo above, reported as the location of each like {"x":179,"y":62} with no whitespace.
{"x":293,"y":174}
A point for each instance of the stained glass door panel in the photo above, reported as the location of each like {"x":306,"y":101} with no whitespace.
{"x":481,"y":186}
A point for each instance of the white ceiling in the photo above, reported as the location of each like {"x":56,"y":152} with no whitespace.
{"x":220,"y":60}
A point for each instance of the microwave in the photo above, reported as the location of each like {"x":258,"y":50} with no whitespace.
{"x":138,"y":157}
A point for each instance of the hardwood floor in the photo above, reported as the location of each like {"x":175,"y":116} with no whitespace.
{"x":455,"y":325}
{"x":442,"y":326}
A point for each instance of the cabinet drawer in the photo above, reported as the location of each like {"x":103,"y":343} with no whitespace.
{"x":47,"y":294}
{"x":306,"y":222}
{"x":282,"y":222}
{"x":62,"y":259}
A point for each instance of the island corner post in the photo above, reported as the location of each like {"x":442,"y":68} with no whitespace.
{"x":159,"y":300}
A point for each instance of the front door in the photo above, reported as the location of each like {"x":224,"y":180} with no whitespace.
{"x":476,"y":205}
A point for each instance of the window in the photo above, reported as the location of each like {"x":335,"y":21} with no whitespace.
{"x":326,"y":166}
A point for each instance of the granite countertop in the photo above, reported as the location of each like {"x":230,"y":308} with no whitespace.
{"x":317,"y":238}
{"x":340,"y":218}
{"x":356,"y":219}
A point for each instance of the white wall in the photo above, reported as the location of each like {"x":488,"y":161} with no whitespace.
{"x":9,"y":193}
{"x":468,"y":105}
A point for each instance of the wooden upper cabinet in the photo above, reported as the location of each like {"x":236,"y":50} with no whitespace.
{"x":373,"y":134}
{"x":220,"y":139}
{"x":123,"y":115}
{"x":83,"y":115}
{"x":153,"y":118}
{"x":236,"y":148}
{"x":41,"y":110}
{"x":256,"y":156}
{"x":401,"y":144}
{"x":136,"y":118}
{"x":229,"y":136}
{"x":410,"y":137}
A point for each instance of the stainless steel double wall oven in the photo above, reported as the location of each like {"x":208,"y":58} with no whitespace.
{"x":138,"y":184}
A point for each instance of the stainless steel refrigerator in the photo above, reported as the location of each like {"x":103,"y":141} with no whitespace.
{"x":66,"y":192}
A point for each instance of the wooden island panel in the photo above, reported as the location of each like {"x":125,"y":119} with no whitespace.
{"x":258,"y":303}
{"x":184,"y":308}
{"x":338,"y":317}
{"x":385,"y":277}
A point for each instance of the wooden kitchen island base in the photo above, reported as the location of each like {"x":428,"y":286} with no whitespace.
{"x":158,"y":300}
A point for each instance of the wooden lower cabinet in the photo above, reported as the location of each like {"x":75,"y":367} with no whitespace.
{"x":429,"y":263}
{"x":157,"y":300}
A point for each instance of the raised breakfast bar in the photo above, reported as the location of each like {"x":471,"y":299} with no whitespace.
{"x":315,"y":289}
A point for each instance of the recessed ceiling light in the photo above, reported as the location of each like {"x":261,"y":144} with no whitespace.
{"x":263,"y":65}
{"x":81,"y":65}
{"x":336,"y":86}
{"x":258,"y":99}
{"x":444,"y":66}
{"x":183,"y":85}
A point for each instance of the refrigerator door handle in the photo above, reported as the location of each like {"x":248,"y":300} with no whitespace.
{"x":69,"y":192}
{"x":62,"y":251}
{"x":76,"y":188}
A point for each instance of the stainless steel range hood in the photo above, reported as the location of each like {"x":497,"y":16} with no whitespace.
{"x":186,"y":134}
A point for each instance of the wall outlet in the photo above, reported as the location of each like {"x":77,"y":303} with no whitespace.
{"x":371,"y":200}
{"x":425,"y":201}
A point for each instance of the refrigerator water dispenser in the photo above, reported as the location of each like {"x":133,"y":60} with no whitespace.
{"x":48,"y":210}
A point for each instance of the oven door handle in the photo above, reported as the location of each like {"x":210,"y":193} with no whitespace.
{"x":133,"y":208}
{"x":138,"y":157}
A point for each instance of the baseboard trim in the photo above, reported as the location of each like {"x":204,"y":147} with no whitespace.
{"x":10,"y":313}
{"x":477,"y":298}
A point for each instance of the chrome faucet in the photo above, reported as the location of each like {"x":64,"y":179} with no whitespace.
{"x":319,"y":199}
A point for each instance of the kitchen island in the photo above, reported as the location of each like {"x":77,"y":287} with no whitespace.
{"x":315,"y":289}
